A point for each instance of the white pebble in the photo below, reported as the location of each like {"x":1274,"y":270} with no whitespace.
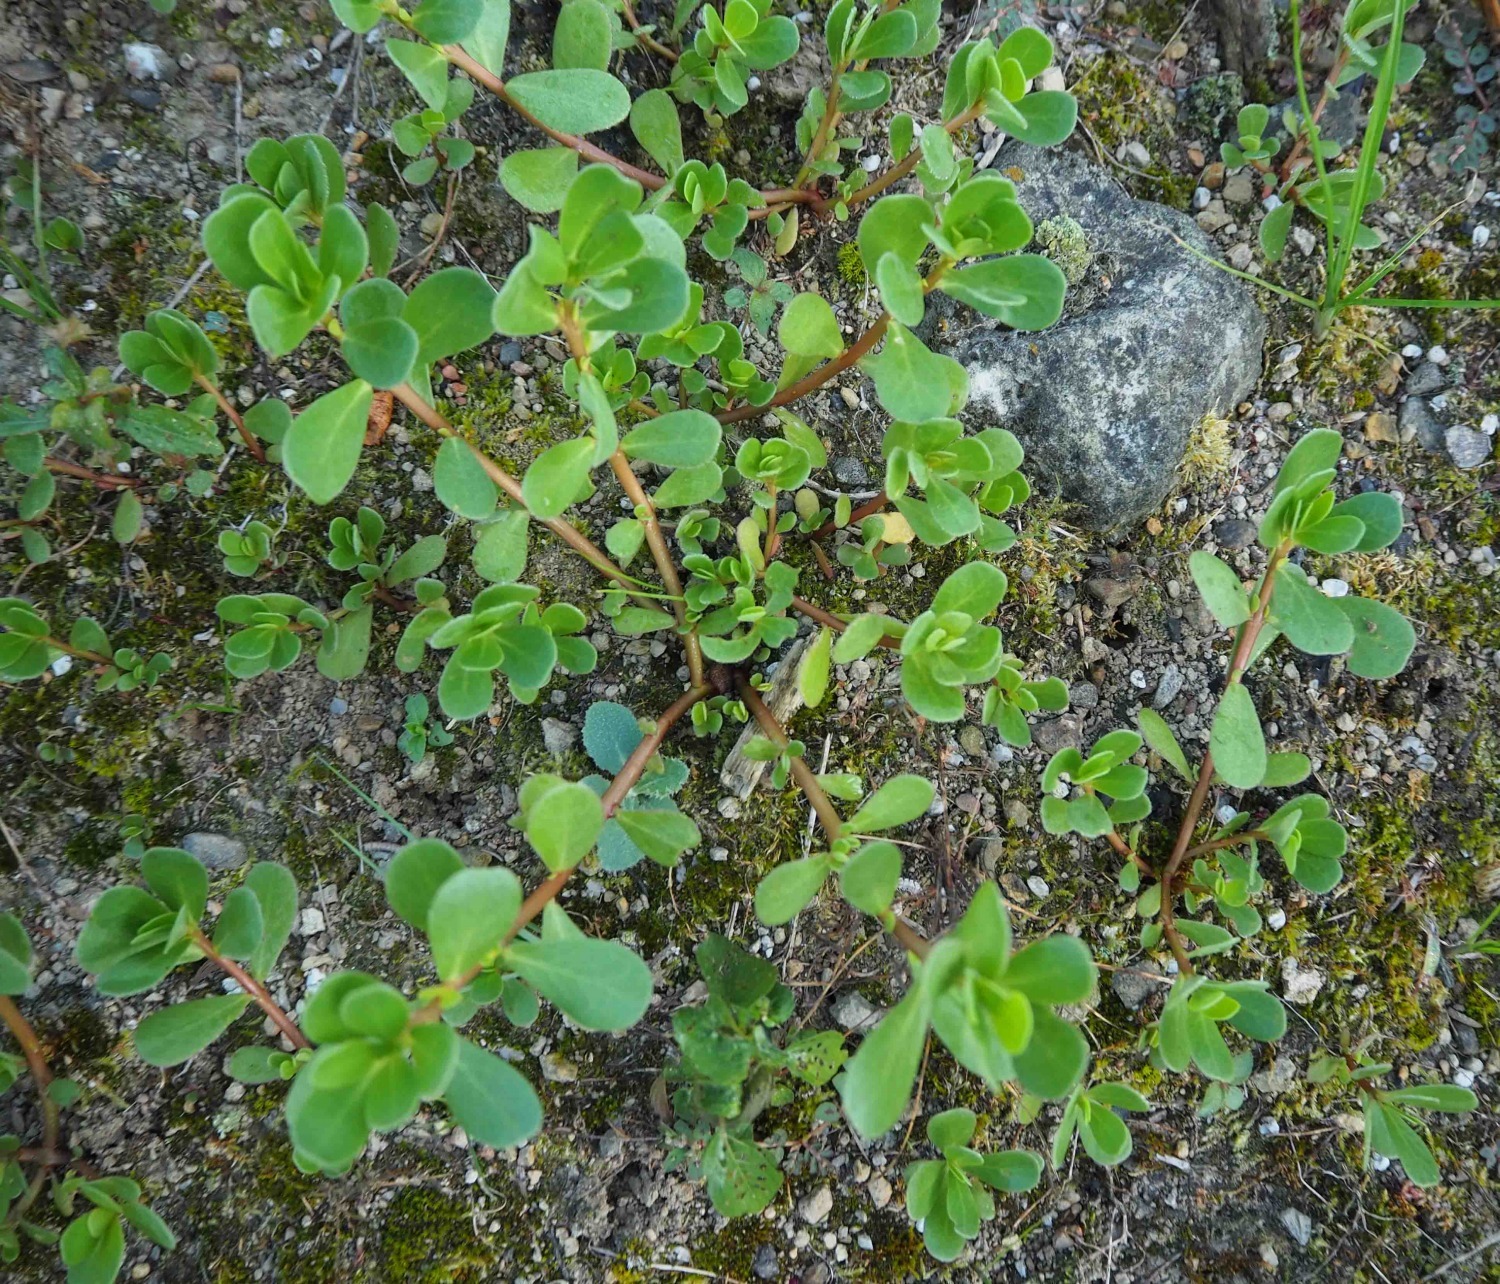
{"x":275,"y":38}
{"x":1276,"y":919}
{"x":1412,"y":351}
{"x":61,"y":665}
{"x":1481,"y":237}
{"x":1201,"y":198}
{"x":1226,"y":813}
{"x":1489,"y":423}
{"x":1336,"y":588}
{"x":1437,"y":354}
{"x":871,"y":164}
{"x":1271,"y":202}
{"x":1463,"y":1078}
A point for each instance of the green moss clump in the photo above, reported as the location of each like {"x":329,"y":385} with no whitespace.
{"x":850,"y":266}
{"x":1063,"y":240}
{"x":429,"y":1238}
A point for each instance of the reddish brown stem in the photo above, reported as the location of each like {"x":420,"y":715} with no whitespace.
{"x":565,"y":531}
{"x":819,"y":616}
{"x":868,"y":509}
{"x":1244,"y":646}
{"x":811,"y":382}
{"x":69,"y":469}
{"x":41,"y":1074}
{"x":634,"y":24}
{"x":251,"y":444}
{"x":822,"y":805}
{"x":1122,"y":849}
{"x":254,"y":989}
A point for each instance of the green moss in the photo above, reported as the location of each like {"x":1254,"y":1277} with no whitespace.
{"x":1063,"y":240}
{"x":850,"y":266}
{"x":428,"y":1237}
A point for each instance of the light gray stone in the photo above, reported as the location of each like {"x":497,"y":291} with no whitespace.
{"x":558,"y":736}
{"x":815,"y":1208}
{"x":1149,"y":343}
{"x":1467,"y":448}
{"x":217,"y":851}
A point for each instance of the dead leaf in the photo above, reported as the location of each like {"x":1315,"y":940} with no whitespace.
{"x":380,"y":418}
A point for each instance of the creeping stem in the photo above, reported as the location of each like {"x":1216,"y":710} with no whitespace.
{"x":827,"y":814}
{"x":253,"y":988}
{"x":622,"y":784}
{"x":565,"y":531}
{"x":41,"y":1073}
{"x":1249,"y":632}
{"x":641,"y":502}
{"x":254,"y":447}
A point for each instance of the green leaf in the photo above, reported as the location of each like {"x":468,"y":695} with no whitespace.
{"x":808,"y":328}
{"x":1312,"y":621}
{"x":1380,"y":514}
{"x":557,"y":477}
{"x":1283,"y":769}
{"x":1056,"y":969}
{"x":900,"y":289}
{"x":323,"y":444}
{"x":346,"y":645}
{"x":878,"y":1081}
{"x":500,"y":546}
{"x":384,"y":238}
{"x":241,"y":925}
{"x":1445,"y":1097}
{"x":563,"y":824}
{"x":913,"y":383}
{"x":461,"y":482}
{"x":540,"y":179}
{"x":784,"y":892}
{"x":975,"y":589}
{"x":662,"y":835}
{"x":488,"y":39}
{"x":1222,"y":591}
{"x":174,"y":1034}
{"x":1054,"y":1059}
{"x":894,"y":225}
{"x":1318,"y":451}
{"x":469,"y":915}
{"x":677,"y":439}
{"x":1273,"y":231}
{"x":276,"y":890}
{"x":742,"y":1178}
{"x":1047,"y":117}
{"x":128,"y":516}
{"x":1160,"y":737}
{"x":424,"y":66}
{"x":446,"y":22}
{"x":491,"y":1100}
{"x":576,"y":100}
{"x":812,"y":674}
{"x":1237,"y":743}
{"x":178,"y":878}
{"x":689,"y":486}
{"x":581,"y":37}
{"x":1383,"y":638}
{"x":952,"y":1128}
{"x":414,"y":875}
{"x":657,"y":128}
{"x":93,"y":1248}
{"x":901,"y":799}
{"x":380,"y":350}
{"x":1023,"y":291}
{"x":599,"y":985}
{"x":868,"y":880}
{"x":450,"y":311}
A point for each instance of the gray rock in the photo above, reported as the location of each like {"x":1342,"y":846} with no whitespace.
{"x":851,"y":472}
{"x":1083,"y":695}
{"x":1467,"y":448}
{"x":764,"y":1264}
{"x":1298,"y":1225}
{"x":1105,"y":401}
{"x":1427,"y":378}
{"x":217,"y":851}
{"x":815,"y":1208}
{"x":1168,"y":687}
{"x":1235,"y":533}
{"x":1419,"y":420}
{"x":1057,"y":733}
{"x":558,"y":736}
{"x":854,"y":1012}
{"x":1132,"y":988}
